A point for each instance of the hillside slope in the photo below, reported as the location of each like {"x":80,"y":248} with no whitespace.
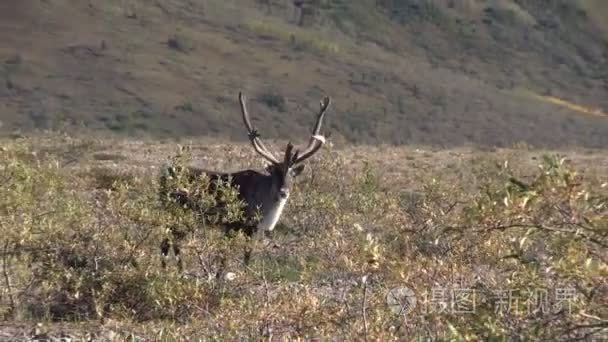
{"x":429,"y":72}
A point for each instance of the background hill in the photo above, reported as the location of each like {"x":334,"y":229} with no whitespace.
{"x":431,"y":72}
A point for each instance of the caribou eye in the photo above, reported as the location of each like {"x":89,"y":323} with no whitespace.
{"x":295,"y":171}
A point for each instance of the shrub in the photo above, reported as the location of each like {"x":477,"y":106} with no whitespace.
{"x":491,"y":250}
{"x":273,"y":99}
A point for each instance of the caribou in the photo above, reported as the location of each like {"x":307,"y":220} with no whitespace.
{"x":263,"y":194}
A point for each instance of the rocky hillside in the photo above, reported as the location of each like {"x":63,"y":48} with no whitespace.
{"x":411,"y":71}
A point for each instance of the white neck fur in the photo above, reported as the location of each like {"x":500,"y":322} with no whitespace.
{"x":272,"y":215}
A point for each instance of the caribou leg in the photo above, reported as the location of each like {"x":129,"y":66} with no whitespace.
{"x":164,"y":251}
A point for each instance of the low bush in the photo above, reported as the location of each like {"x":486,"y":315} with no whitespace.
{"x":499,"y":252}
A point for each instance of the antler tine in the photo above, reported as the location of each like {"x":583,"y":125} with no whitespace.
{"x":253,"y":134}
{"x":289,"y":155}
{"x":316,"y":140}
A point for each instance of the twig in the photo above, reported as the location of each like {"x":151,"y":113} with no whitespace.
{"x":267,"y":300}
{"x":596,"y":318}
{"x":601,"y":326}
{"x":6,"y":180}
{"x":131,"y":257}
{"x":262,"y":276}
{"x":451,"y":207}
{"x":364,"y":307}
{"x":201,"y":262}
{"x":267,"y":293}
{"x":535,"y":226}
{"x":7,"y":278}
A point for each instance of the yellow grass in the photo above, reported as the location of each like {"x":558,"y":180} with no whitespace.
{"x":308,"y":38}
{"x":572,"y":106}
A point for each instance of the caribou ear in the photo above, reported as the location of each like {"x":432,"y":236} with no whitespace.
{"x":294,"y":171}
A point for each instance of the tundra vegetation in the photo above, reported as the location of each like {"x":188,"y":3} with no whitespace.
{"x":494,"y":245}
{"x":438,"y":72}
